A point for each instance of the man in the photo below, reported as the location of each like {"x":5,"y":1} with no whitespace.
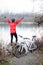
{"x":13,"y":25}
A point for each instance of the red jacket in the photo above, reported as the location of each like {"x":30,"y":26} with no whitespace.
{"x":13,"y":25}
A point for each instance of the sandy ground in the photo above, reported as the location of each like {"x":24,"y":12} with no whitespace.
{"x":30,"y":59}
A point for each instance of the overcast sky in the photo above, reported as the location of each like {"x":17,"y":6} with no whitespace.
{"x":19,"y":6}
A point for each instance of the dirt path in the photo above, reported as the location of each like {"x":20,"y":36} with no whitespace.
{"x":29,"y":59}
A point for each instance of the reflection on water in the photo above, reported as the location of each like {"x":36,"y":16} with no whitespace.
{"x":24,"y":30}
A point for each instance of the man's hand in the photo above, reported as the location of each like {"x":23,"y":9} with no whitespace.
{"x":22,"y":17}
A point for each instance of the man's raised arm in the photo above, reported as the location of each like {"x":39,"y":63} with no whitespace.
{"x":19,"y":20}
{"x":7,"y":19}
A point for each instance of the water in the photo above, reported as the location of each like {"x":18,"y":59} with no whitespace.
{"x":23,"y":30}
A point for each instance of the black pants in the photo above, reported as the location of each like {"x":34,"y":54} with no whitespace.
{"x":13,"y":34}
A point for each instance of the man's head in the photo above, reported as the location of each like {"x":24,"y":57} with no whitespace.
{"x":13,"y":20}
